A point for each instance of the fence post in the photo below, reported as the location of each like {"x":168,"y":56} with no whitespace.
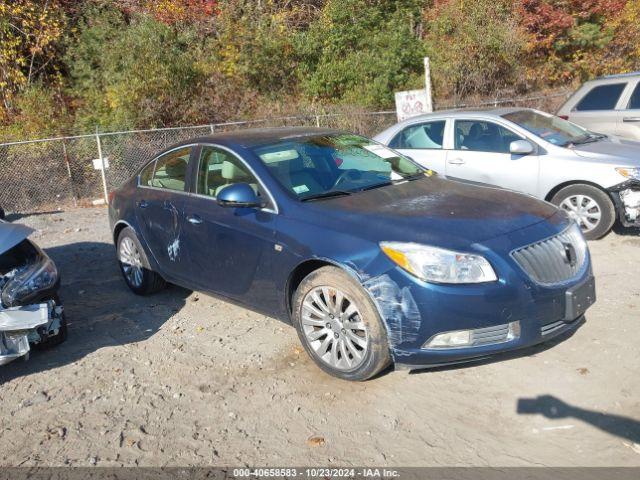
{"x":65,"y":155}
{"x":102,"y":169}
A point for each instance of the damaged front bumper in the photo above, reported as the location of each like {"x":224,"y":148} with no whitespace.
{"x":626,"y":197}
{"x":30,"y":312}
{"x":31,"y":324}
{"x":431,"y":324}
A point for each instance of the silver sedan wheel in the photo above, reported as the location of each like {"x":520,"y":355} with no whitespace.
{"x":333,"y":328}
{"x":584,"y":210}
{"x":131,"y":262}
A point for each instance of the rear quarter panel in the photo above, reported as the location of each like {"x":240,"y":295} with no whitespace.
{"x":122,"y":211}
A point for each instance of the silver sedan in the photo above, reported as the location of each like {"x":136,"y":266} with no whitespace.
{"x":594,"y":177}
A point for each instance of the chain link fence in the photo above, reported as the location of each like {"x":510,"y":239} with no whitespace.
{"x":52,"y":173}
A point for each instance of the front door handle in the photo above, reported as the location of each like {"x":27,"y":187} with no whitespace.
{"x":194,"y":219}
{"x":456,"y":161}
{"x":143,"y":204}
{"x":631,"y":119}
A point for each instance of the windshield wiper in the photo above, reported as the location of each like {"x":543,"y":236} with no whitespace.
{"x":329,"y":194}
{"x":589,"y":138}
{"x":375,"y":185}
{"x":408,"y":178}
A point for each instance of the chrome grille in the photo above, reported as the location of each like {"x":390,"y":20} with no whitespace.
{"x":552,"y":327}
{"x":548,"y":262}
{"x":490,"y":335}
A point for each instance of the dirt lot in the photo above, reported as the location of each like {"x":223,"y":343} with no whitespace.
{"x":180,"y":378}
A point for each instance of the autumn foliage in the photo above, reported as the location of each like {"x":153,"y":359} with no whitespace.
{"x":78,"y":65}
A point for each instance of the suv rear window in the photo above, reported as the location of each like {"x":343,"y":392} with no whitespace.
{"x":602,"y":97}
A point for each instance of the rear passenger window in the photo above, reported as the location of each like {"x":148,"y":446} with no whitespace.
{"x":634,"y":103}
{"x":422,"y":136}
{"x":171,"y":170}
{"x":603,"y":97}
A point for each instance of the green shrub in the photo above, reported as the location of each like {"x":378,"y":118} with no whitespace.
{"x":361,"y":51}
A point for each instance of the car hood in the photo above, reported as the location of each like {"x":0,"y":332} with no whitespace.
{"x":611,"y":149}
{"x":12,"y":234}
{"x":433,"y":211}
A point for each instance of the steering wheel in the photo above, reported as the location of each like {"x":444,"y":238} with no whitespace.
{"x":350,"y":174}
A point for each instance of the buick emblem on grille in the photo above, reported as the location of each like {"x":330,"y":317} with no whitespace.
{"x":570,"y":257}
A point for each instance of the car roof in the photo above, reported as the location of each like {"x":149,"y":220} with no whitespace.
{"x":619,"y":75}
{"x":477,"y":112}
{"x":253,"y":137}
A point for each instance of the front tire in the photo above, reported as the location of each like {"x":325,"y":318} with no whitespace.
{"x":339,"y":325}
{"x":134,"y":265}
{"x":592,"y":209}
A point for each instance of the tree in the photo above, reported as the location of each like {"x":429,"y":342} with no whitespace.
{"x":568,"y":39}
{"x":129,"y":73}
{"x":361,"y":51}
{"x":475,"y":46}
{"x":30,"y":43}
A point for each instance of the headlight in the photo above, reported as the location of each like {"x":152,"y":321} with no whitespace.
{"x":438,"y":265}
{"x":28,"y":281}
{"x":629,"y":172}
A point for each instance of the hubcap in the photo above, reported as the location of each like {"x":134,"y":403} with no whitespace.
{"x":333,"y":328}
{"x":131,"y":262}
{"x":584,"y":210}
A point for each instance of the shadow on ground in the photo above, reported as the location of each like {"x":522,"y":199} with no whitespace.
{"x":626,"y":231}
{"x":12,"y":217}
{"x":100,"y":309}
{"x":552,"y":407}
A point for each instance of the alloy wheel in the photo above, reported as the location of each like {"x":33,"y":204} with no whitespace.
{"x":131,"y":262}
{"x":333,"y":328}
{"x":584,"y":210}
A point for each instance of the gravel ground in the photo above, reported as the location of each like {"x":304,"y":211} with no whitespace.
{"x":180,"y":378}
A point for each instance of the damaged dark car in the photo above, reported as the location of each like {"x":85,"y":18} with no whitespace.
{"x":30,"y":309}
{"x":374,"y":260}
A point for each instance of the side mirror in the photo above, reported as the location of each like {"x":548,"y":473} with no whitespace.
{"x":238,"y":195}
{"x":521,"y":147}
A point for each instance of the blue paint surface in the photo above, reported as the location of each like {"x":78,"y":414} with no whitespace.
{"x":249,"y":255}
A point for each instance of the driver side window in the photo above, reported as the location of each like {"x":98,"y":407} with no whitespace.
{"x":480,"y":136}
{"x":219,"y":169}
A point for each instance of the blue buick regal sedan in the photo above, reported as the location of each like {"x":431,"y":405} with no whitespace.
{"x":373,"y":259}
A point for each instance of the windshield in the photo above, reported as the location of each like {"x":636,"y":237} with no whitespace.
{"x":337,"y":164}
{"x":549,"y":127}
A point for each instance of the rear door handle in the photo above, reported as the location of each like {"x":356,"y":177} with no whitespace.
{"x":194,"y":219}
{"x":456,"y":161}
{"x":143,"y":204}
{"x":631,"y":119}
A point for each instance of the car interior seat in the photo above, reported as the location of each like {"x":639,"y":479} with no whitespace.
{"x":176,"y":173}
{"x":231,"y":174}
{"x":296,"y":176}
{"x":418,"y":138}
{"x":480,"y":140}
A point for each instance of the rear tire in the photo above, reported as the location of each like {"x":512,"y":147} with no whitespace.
{"x":592,"y":209}
{"x":134,"y":265}
{"x":339,"y":325}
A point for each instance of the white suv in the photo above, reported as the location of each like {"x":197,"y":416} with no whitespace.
{"x":608,"y":105}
